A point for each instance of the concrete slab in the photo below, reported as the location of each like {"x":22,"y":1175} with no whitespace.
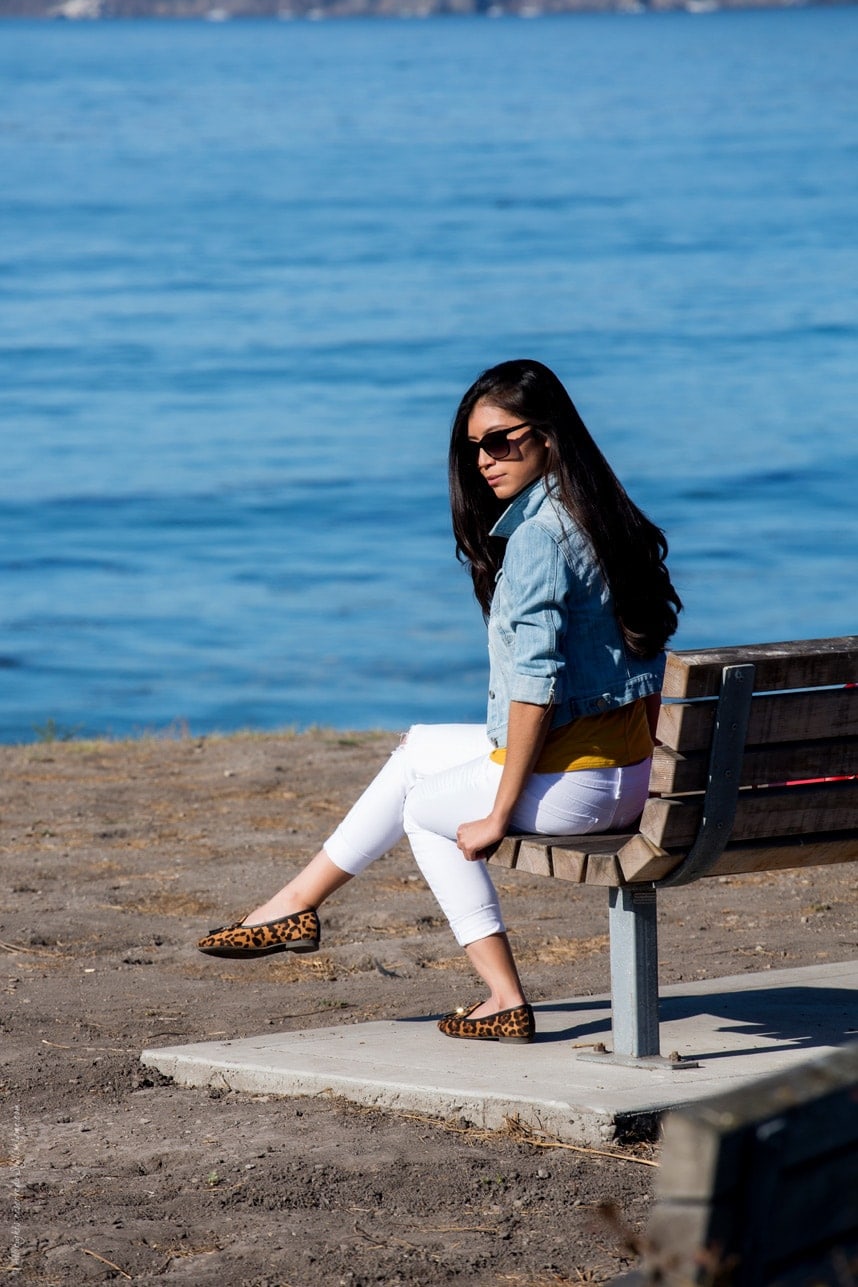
{"x":739,"y":1028}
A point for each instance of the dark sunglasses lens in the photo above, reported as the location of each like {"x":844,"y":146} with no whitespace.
{"x":496,"y":445}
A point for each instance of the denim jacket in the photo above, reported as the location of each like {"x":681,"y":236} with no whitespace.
{"x":553,"y":636}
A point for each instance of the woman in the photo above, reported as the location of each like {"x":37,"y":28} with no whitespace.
{"x":571,"y":577}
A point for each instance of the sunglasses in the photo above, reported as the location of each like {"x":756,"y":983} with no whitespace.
{"x":497,"y":444}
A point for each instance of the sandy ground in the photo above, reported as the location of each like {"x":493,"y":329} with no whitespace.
{"x":116,"y":856}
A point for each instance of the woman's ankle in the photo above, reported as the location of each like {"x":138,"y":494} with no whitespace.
{"x":496,"y":1005}
{"x":309,"y":889}
{"x":274,"y":910}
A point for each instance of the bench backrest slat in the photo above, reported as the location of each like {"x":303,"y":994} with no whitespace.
{"x":760,"y":814}
{"x":783,"y":717}
{"x":808,"y":663}
{"x":788,"y":768}
{"x":674,"y":773}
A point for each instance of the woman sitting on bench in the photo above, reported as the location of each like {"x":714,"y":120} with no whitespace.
{"x":571,"y":577}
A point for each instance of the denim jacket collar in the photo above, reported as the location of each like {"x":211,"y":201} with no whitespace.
{"x":526,"y":505}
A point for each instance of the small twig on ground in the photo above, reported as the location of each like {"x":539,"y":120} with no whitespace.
{"x":99,"y":1050}
{"x":459,"y":1228}
{"x":521,"y":1134}
{"x":526,"y":1135}
{"x":20,"y":947}
{"x":394,"y":1242}
{"x":86,"y":1251}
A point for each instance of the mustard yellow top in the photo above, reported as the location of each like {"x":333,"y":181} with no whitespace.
{"x":608,"y":741}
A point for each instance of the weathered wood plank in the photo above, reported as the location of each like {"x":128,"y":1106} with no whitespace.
{"x":738,"y":860}
{"x":640,"y":861}
{"x":781,"y":717}
{"x":599,"y":842}
{"x":676,"y":1236}
{"x":603,"y":869}
{"x":506,"y":853}
{"x":760,"y":814}
{"x":820,"y":1268}
{"x":571,"y":855}
{"x":703,"y":1155}
{"x":535,"y":858}
{"x":675,"y":773}
{"x":806,"y":663}
{"x":690,"y":1241}
{"x":564,"y":857}
{"x":814,"y":1204}
{"x":569,"y":864}
{"x":763,"y":1179}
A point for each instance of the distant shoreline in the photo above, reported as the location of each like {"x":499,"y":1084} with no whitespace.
{"x":219,"y":11}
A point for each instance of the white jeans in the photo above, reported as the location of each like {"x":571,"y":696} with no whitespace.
{"x":441,"y":776}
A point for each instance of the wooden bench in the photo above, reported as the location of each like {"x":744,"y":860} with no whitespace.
{"x":755,"y":772}
{"x":759,"y":1187}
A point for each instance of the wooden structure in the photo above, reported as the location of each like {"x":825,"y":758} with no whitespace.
{"x":757,"y":771}
{"x":759,"y":1187}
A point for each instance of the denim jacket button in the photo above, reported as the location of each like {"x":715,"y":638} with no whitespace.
{"x":602,"y":704}
{"x":491,"y":695}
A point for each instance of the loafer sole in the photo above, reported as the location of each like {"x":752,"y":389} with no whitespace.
{"x":473,"y":1036}
{"x":299,"y":945}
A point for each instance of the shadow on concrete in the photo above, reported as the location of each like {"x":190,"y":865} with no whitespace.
{"x":799,"y":1017}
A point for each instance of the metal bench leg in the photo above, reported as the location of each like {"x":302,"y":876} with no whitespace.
{"x":632,"y":921}
{"x":633,"y":925}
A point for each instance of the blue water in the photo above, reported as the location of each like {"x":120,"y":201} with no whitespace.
{"x":246,"y":271}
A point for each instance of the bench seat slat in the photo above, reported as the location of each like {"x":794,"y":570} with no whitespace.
{"x":760,"y":814}
{"x":639,"y":862}
{"x":782,"y":717}
{"x":810,"y":663}
{"x":638,"y":866}
{"x":674,"y":773}
{"x":580,"y":859}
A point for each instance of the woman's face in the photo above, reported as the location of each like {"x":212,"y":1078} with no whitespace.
{"x":527,"y":449}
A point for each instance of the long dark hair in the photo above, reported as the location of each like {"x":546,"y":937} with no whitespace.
{"x":630,"y":550}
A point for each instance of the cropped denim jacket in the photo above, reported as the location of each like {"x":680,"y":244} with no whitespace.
{"x":553,"y":636}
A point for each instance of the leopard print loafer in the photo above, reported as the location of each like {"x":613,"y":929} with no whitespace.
{"x":297,"y":933}
{"x":516,"y":1024}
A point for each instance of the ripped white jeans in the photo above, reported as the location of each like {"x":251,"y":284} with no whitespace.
{"x":441,"y":776}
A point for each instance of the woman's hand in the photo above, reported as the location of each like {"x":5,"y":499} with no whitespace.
{"x":527,"y":729}
{"x":480,"y":839}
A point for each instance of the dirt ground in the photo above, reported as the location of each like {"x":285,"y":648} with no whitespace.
{"x":116,"y":857}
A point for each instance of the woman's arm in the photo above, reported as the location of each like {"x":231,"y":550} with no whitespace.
{"x":527,"y":730}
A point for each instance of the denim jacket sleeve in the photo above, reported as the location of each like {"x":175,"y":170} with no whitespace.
{"x":535,"y":590}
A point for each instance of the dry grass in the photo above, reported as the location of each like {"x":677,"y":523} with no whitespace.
{"x":513,"y":1129}
{"x":556,"y":951}
{"x":295,"y":968}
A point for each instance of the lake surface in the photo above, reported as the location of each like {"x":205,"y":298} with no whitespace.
{"x":247,"y":270}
